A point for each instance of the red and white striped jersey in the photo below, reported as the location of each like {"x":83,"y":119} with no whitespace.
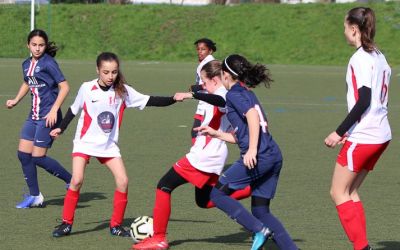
{"x":209,"y":154}
{"x":370,"y":70}
{"x":102,"y":112}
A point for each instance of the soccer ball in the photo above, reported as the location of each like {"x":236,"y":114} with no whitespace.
{"x":141,"y":227}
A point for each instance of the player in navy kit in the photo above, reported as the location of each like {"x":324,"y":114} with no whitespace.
{"x":260,"y":161}
{"x":102,"y":102}
{"x":48,"y":87}
{"x":365,"y":132}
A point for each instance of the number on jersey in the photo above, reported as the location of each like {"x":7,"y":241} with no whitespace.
{"x":263,"y":121}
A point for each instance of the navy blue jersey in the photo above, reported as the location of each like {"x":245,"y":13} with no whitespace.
{"x":239,"y":100}
{"x":43,"y":77}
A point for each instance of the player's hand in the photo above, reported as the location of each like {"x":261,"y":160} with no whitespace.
{"x":55,"y":133}
{"x":333,"y":139}
{"x":11,"y":103}
{"x":51,"y":118}
{"x":344,"y":138}
{"x":179,"y":97}
{"x":206,"y":130}
{"x":250,"y":158}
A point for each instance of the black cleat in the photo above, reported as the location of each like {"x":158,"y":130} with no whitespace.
{"x":62,"y":230}
{"x":120,"y":231}
{"x":368,"y":247}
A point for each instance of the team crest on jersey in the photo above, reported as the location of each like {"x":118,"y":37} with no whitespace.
{"x":37,"y":69}
{"x":106,"y":121}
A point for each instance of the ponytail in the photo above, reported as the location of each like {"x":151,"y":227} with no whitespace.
{"x":364,"y":18}
{"x":241,"y":69}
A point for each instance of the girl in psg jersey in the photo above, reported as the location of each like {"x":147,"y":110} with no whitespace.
{"x":260,"y":159}
{"x":48,"y":87}
{"x":102,"y":102}
{"x":365,"y":132}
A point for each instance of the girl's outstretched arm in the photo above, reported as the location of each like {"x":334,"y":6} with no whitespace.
{"x":23,"y":90}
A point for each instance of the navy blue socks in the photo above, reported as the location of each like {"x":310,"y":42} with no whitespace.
{"x":30,"y":173}
{"x":53,"y":167}
{"x":235,"y":210}
{"x":281,"y":236}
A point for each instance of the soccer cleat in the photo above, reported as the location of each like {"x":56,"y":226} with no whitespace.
{"x":31,"y":201}
{"x":62,"y":230}
{"x":152,"y":243}
{"x":120,"y":231}
{"x":260,"y":238}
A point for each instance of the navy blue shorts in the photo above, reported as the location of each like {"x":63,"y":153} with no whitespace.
{"x":37,"y":132}
{"x":263,"y":179}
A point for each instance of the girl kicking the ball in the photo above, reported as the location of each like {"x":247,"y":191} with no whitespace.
{"x":201,"y":166}
{"x":102,"y":102}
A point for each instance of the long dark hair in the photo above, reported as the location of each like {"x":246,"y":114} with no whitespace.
{"x":364,"y":18}
{"x":120,"y":80}
{"x":51,"y":47}
{"x":250,"y":74}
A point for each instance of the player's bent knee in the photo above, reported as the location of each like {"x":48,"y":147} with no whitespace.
{"x":224,"y":188}
{"x":122,"y":183}
{"x":201,"y":202}
{"x":76,"y":183}
{"x":257,"y":201}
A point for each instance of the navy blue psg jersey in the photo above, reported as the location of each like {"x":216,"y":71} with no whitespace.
{"x":43,"y":77}
{"x":239,"y":100}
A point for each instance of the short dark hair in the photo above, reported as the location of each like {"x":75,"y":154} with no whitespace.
{"x":208,"y":42}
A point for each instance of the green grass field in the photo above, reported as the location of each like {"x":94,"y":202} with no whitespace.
{"x":304,"y":104}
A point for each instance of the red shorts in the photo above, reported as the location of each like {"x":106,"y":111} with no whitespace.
{"x":102,"y":160}
{"x":193,"y":175}
{"x":360,"y":156}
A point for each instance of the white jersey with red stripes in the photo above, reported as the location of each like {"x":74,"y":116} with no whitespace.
{"x":200,"y":106}
{"x":209,"y":154}
{"x":102,"y":112}
{"x":370,"y":70}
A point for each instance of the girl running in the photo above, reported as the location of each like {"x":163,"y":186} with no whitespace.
{"x":260,"y":159}
{"x":201,"y":166}
{"x":365,"y":131}
{"x":102,"y":102}
{"x":48,"y":87}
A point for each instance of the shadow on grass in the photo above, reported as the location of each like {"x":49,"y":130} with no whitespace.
{"x":104,"y":224}
{"x":388,"y":245}
{"x":83,"y":197}
{"x":241,"y":238}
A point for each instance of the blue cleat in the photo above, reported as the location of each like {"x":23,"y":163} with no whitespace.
{"x":260,"y":238}
{"x":31,"y":201}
